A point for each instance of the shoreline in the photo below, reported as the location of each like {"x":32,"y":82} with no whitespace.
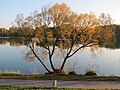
{"x":59,"y":77}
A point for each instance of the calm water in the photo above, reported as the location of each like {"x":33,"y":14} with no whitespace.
{"x":106,"y":61}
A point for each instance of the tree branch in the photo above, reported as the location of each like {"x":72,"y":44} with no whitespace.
{"x":39,"y":58}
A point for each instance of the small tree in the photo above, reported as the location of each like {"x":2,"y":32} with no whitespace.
{"x":3,"y":31}
{"x":59,"y":27}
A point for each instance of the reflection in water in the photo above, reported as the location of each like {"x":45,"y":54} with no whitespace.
{"x":108,"y":60}
{"x":14,"y":41}
{"x":24,"y":41}
{"x":29,"y":56}
{"x":119,"y":62}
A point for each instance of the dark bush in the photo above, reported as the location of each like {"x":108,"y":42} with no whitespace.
{"x":90,"y":73}
{"x":72,"y":73}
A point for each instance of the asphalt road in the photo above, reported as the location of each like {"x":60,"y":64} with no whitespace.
{"x":67,"y":84}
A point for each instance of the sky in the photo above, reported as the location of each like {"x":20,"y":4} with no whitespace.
{"x":10,"y":8}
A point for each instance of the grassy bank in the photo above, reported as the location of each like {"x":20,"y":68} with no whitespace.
{"x":59,"y":77}
{"x":44,"y":88}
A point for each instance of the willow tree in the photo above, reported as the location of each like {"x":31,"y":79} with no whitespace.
{"x":59,"y":27}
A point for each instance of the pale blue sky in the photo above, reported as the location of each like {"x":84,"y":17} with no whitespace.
{"x":10,"y":8}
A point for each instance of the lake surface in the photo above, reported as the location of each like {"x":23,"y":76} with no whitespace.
{"x":106,"y":61}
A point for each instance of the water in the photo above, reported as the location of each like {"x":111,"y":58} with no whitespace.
{"x":106,"y":61}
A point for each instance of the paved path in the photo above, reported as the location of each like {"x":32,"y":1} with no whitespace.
{"x":68,"y":84}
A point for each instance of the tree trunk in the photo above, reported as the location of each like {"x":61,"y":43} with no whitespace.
{"x":40,"y":60}
{"x":52,"y":66}
{"x":63,"y":64}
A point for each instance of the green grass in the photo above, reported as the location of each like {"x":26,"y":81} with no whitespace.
{"x":59,"y":77}
{"x":44,"y":88}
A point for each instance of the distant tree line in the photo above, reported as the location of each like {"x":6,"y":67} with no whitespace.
{"x":13,"y":32}
{"x":115,"y":42}
{"x":19,"y":32}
